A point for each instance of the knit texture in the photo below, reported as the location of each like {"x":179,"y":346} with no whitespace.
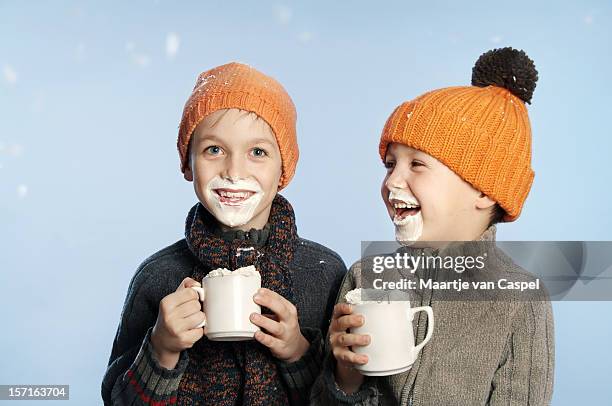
{"x":494,"y":349}
{"x":481,"y":133}
{"x":240,"y":86}
{"x":134,"y":377}
{"x":240,"y":372}
{"x":150,"y":382}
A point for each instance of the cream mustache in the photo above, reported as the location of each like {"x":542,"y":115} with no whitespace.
{"x":233,"y":203}
{"x":408,"y":228}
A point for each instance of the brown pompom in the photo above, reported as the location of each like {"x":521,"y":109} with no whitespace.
{"x":508,"y":68}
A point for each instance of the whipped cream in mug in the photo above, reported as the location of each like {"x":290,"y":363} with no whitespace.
{"x":358,"y":296}
{"x":247,"y":271}
{"x":354,"y":297}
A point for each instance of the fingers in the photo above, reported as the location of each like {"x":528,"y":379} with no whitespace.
{"x":283,"y":308}
{"x":341,"y":341}
{"x":340,"y":309}
{"x":268,"y":340}
{"x":273,"y":327}
{"x":271,"y":316}
{"x":177,"y":326}
{"x":191,"y":336}
{"x":193,"y":321}
{"x":187,"y":309}
{"x":346,"y":322}
{"x":348,"y":340}
{"x":343,"y":354}
{"x":188,"y":315}
{"x":187,"y":283}
{"x":170,"y":302}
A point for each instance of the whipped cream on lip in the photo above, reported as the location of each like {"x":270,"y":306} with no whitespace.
{"x":233,"y":203}
{"x":233,"y":197}
{"x":404,"y":206}
{"x":407,"y":216}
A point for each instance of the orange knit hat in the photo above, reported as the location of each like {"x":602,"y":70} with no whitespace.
{"x":481,"y":132}
{"x":240,"y":86}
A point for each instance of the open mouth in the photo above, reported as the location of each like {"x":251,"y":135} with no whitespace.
{"x":233,"y":197}
{"x":403,"y":210}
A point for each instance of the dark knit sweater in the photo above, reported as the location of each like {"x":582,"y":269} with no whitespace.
{"x":135,"y":377}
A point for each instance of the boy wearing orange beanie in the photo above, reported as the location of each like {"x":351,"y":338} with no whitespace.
{"x":237,"y":144}
{"x":458,"y":161}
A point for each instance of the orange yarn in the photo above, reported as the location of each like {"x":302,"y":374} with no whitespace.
{"x":240,"y":86}
{"x":481,"y":133}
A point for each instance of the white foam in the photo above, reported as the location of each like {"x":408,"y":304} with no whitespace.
{"x":354,"y":296}
{"x":247,"y":271}
{"x":233,"y":214}
{"x":218,"y":272}
{"x":244,"y":271}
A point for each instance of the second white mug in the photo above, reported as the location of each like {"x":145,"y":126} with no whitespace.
{"x":392,"y":347}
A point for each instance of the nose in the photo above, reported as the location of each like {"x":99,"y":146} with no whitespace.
{"x":395,"y":180}
{"x":234,"y":168}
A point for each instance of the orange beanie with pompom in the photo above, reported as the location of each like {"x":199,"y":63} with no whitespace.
{"x":481,"y":132}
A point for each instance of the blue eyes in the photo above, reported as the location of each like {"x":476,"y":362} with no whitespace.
{"x":213,"y":149}
{"x":216,"y":150}
{"x":258,"y":152}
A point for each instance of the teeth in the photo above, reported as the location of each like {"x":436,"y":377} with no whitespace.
{"x":237,"y":195}
{"x":403,"y":205}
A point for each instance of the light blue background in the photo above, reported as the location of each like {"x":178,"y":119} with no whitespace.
{"x":90,"y":101}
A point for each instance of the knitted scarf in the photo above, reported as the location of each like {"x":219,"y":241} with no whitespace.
{"x":240,"y":372}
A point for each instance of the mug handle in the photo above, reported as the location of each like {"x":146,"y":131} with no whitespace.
{"x":201,"y":296}
{"x":430,"y":325}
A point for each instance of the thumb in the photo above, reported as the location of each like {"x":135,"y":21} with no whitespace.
{"x":187,"y":283}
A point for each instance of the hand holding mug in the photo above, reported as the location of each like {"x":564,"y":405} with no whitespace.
{"x":343,"y":319}
{"x":282,"y":336}
{"x":176,"y":327}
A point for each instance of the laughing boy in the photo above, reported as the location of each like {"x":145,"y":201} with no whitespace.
{"x":458,"y":161}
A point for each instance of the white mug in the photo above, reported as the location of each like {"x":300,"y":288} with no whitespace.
{"x":228,"y":304}
{"x":392,"y":348}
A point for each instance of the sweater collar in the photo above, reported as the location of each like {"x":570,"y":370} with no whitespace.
{"x":458,"y":247}
{"x":470,"y":248}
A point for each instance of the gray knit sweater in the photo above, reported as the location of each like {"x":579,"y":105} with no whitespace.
{"x":495,"y":352}
{"x":134,"y":376}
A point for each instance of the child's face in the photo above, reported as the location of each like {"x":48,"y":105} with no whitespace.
{"x":427,"y":201}
{"x":235,"y":166}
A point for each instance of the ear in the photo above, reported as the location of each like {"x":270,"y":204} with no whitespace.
{"x":484,"y":202}
{"x":188,"y":175}
{"x":280,"y":177}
